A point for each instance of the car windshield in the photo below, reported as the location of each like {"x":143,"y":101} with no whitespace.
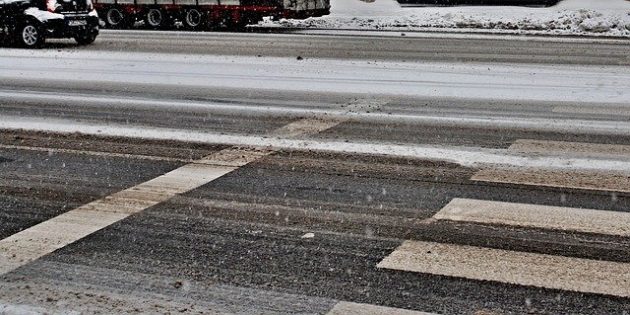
{"x":404,"y":157}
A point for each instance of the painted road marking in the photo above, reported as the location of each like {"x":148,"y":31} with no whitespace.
{"x":537,"y":216}
{"x":520,"y":268}
{"x":573,"y":148}
{"x":590,"y":180}
{"x":95,"y":153}
{"x":474,"y":157}
{"x":46,"y":237}
{"x":593,"y":110}
{"x":350,"y":308}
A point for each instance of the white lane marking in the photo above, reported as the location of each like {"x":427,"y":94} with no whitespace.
{"x":95,"y":153}
{"x":305,"y":127}
{"x":572,"y":148}
{"x":610,"y":127}
{"x":571,"y":178}
{"x":593,"y":110}
{"x":475,"y":157}
{"x":46,"y":237}
{"x":520,"y":268}
{"x":351,"y":308}
{"x":528,"y":215}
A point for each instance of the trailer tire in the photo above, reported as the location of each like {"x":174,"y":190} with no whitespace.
{"x":194,"y":19}
{"x":156,"y":19}
{"x":115,"y":18}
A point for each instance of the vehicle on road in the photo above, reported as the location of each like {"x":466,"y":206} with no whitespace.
{"x":203,"y":14}
{"x":28,"y":23}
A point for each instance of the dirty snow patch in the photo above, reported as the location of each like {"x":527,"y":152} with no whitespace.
{"x":570,"y":17}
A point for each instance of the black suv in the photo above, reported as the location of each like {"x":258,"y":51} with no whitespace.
{"x":29,"y":22}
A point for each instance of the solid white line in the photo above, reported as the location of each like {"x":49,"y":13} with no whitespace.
{"x":572,"y":148}
{"x":350,"y":308}
{"x":593,"y":110}
{"x":575,"y":178}
{"x":604,"y":127}
{"x":464,"y":156}
{"x":537,"y":216}
{"x":520,"y":268}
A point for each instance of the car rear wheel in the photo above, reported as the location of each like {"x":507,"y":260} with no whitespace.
{"x":29,"y":35}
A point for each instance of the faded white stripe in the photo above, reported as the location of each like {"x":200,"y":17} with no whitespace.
{"x":572,"y":148}
{"x":537,"y":216}
{"x":546,"y":271}
{"x":574,"y":179}
{"x":94,"y":153}
{"x":465,"y":156}
{"x":350,"y":308}
{"x":593,"y":110}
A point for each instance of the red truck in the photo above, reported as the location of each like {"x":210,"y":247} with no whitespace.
{"x":202,"y":14}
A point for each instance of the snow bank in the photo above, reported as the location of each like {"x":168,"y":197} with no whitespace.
{"x":570,"y":17}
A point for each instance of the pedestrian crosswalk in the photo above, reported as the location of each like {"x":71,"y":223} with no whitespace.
{"x":445,"y":258}
{"x":524,"y":268}
{"x":537,"y":216}
{"x":539,"y":270}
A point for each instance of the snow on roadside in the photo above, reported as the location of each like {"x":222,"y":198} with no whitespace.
{"x":570,"y":17}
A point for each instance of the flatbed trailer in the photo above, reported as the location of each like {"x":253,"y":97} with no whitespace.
{"x":203,"y":14}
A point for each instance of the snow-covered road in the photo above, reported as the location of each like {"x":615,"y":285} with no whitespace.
{"x":577,"y":84}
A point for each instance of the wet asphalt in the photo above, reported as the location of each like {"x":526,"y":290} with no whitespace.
{"x":241,"y":244}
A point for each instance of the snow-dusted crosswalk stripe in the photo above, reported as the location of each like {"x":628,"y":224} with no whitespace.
{"x":572,"y":148}
{"x":537,"y":216}
{"x":350,"y":308}
{"x":616,"y":180}
{"x":48,"y":236}
{"x":576,"y":178}
{"x":593,"y":110}
{"x":588,"y":180}
{"x":520,"y":268}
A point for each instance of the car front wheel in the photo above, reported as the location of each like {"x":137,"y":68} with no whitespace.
{"x":29,"y":35}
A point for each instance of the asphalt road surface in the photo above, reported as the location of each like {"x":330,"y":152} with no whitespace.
{"x":373,"y":175}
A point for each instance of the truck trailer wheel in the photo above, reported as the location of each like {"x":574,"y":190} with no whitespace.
{"x":156,"y":19}
{"x":29,"y":35}
{"x":194,"y":19}
{"x":115,"y":18}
